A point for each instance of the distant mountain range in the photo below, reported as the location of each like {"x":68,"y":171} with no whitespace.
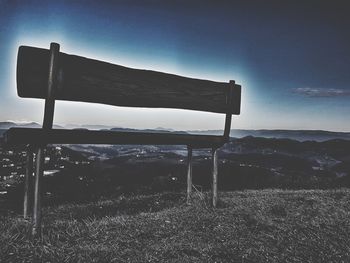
{"x":4,"y":126}
{"x":9,"y":124}
{"x":299,"y":135}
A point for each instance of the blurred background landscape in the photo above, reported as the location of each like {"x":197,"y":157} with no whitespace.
{"x":276,"y":159}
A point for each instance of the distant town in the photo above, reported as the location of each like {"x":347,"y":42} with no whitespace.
{"x":13,"y":164}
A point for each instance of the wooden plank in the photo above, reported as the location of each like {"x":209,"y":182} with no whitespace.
{"x":88,"y":80}
{"x":19,"y":136}
{"x":235,"y":104}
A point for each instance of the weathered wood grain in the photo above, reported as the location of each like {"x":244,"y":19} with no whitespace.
{"x":88,"y":80}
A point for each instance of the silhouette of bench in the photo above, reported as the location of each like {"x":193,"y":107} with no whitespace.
{"x":52,"y":75}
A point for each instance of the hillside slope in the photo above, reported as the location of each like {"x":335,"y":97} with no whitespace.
{"x":249,"y":226}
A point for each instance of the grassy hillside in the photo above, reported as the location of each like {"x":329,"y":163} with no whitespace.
{"x":249,"y":226}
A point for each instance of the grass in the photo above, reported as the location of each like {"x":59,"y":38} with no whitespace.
{"x":248,"y":226}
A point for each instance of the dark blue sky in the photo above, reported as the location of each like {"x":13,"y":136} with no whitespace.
{"x":292,"y":57}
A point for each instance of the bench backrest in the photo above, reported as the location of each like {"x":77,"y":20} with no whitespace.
{"x":88,"y":80}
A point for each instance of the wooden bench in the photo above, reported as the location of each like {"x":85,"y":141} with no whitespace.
{"x":52,"y":75}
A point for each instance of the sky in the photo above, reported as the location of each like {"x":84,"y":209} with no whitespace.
{"x":292,"y":58}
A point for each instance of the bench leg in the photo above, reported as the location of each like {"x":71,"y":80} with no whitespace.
{"x":215,"y":176}
{"x":189,"y":174}
{"x":39,"y":168}
{"x":28,"y":183}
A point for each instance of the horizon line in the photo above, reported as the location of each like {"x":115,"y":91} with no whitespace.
{"x":170,"y":129}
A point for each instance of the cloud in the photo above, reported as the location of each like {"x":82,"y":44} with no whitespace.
{"x":321,"y":93}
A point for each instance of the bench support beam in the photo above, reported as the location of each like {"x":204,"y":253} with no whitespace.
{"x":36,"y":228}
{"x":47,"y":125}
{"x":228,"y":118}
{"x":189,"y":174}
{"x":28,"y":183}
{"x":215,"y":176}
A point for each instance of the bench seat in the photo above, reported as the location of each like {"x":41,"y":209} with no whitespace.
{"x":35,"y":136}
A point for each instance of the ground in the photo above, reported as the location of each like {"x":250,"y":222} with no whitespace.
{"x":248,"y":226}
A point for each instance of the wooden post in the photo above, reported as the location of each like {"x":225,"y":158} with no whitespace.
{"x":28,"y":182}
{"x":215,"y":176}
{"x":47,"y":125}
{"x":189,"y":174}
{"x":36,"y":229}
{"x":229,"y":114}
